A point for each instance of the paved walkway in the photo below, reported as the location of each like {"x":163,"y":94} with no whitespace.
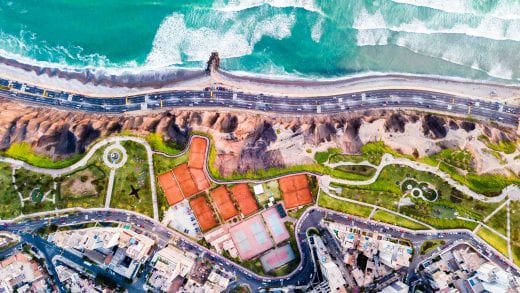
{"x":511,"y":191}
{"x":113,"y":167}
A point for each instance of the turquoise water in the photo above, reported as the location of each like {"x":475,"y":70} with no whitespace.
{"x":311,"y":38}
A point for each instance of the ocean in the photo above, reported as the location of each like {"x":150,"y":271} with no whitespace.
{"x":477,"y":39}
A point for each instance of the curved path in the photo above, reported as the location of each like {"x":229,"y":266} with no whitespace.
{"x":309,"y":219}
{"x":512,"y":191}
{"x":83,"y":162}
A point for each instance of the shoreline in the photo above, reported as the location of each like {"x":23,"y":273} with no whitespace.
{"x":91,"y":82}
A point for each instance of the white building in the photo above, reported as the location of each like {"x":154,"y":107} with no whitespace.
{"x":495,"y":279}
{"x":169,"y":263}
{"x":258,"y":189}
{"x":396,"y":287}
{"x":394,"y":255}
{"x":330,"y":270}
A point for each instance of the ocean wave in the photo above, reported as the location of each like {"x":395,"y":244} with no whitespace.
{"x":175,"y":40}
{"x":238,"y":5}
{"x":372,"y":37}
{"x":27,"y":44}
{"x":503,"y":10}
{"x":488,"y":27}
{"x":468,"y":55}
{"x":317,"y":30}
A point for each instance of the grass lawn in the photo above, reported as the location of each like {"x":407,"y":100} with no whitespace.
{"x":158,"y":143}
{"x":494,"y":240}
{"x":371,"y":152}
{"x":26,"y":181}
{"x":386,"y":217}
{"x":486,"y":184}
{"x":297,"y":213}
{"x":359,"y":172}
{"x":516,"y":254}
{"x":386,"y":191}
{"x":507,"y":147}
{"x":430,"y":245}
{"x":322,"y":157}
{"x":381,"y":198}
{"x":273,"y":188}
{"x":84,"y":188}
{"x":24,"y":152}
{"x":9,"y":200}
{"x":133,"y":173}
{"x":162,"y":164}
{"x":458,"y":158}
{"x":161,"y":200}
{"x":499,"y":221}
{"x":515,"y":222}
{"x":342,"y":206}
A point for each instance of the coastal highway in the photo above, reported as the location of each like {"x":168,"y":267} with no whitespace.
{"x":224,"y":98}
{"x":300,"y":277}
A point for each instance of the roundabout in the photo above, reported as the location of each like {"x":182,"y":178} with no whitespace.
{"x":115,"y":156}
{"x":36,"y":195}
{"x":419,"y":190}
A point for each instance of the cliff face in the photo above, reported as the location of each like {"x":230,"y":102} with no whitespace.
{"x":244,"y":141}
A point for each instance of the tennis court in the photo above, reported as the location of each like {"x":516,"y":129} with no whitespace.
{"x":250,"y":237}
{"x":203,"y":213}
{"x":295,"y":190}
{"x":277,"y":257}
{"x":183,"y":176}
{"x":275,"y":225}
{"x":244,"y":197}
{"x":197,"y":153}
{"x":170,"y":187}
{"x":200,"y":179}
{"x":224,"y":204}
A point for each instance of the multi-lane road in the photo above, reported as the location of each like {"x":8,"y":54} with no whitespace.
{"x":300,"y":277}
{"x":223,"y":98}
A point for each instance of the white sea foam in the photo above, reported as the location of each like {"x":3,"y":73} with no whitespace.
{"x":174,"y":39}
{"x":238,"y":5}
{"x":27,"y":42}
{"x":317,"y":30}
{"x":467,"y":55}
{"x":376,"y":37}
{"x":509,"y":10}
{"x":488,"y":27}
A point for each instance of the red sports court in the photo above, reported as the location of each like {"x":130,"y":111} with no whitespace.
{"x":223,"y":201}
{"x":203,"y":213}
{"x":295,"y":190}
{"x":244,"y":197}
{"x":197,"y":153}
{"x":171,"y":189}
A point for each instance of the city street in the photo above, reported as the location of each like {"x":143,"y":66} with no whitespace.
{"x":361,"y":101}
{"x":299,"y":277}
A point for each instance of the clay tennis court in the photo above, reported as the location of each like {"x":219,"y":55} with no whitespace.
{"x":223,"y":201}
{"x":170,"y":187}
{"x":250,"y":237}
{"x":200,"y":179}
{"x":244,"y":197}
{"x":203,"y":213}
{"x":183,"y":176}
{"x":295,"y":190}
{"x":197,"y":153}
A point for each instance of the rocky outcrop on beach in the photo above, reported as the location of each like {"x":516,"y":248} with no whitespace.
{"x":244,"y":140}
